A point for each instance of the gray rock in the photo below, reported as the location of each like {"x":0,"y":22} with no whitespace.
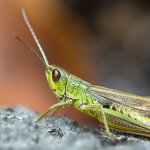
{"x":18,"y":131}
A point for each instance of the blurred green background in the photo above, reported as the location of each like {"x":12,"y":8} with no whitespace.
{"x":104,"y":42}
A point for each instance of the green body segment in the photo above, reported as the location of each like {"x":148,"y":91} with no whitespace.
{"x":122,"y":113}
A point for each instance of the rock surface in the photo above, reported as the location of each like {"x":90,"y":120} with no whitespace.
{"x":18,"y":131}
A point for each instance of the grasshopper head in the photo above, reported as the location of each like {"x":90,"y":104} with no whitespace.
{"x":57,"y":80}
{"x":56,"y":76}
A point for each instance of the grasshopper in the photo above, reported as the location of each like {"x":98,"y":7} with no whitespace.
{"x":121,"y":111}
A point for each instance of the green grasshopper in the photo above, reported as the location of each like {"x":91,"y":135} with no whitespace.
{"x":121,"y":111}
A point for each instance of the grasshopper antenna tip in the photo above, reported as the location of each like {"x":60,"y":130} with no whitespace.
{"x":34,"y":36}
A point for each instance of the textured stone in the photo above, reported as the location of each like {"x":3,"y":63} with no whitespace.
{"x":18,"y":131}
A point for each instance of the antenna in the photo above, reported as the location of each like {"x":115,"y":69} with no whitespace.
{"x":35,"y":37}
{"x":30,"y":48}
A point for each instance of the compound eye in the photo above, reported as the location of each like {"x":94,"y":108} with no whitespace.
{"x":56,"y":75}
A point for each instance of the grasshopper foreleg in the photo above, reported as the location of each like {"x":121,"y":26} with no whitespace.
{"x":54,"y":107}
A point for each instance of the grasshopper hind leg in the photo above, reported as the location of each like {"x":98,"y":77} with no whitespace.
{"x":107,"y":130}
{"x":100,"y":115}
{"x":114,"y":139}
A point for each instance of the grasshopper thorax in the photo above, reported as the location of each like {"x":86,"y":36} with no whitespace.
{"x":57,"y":79}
